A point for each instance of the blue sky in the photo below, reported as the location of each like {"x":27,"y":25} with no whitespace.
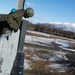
{"x":46,"y":10}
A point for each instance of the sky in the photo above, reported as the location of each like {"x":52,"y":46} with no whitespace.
{"x":45,"y":10}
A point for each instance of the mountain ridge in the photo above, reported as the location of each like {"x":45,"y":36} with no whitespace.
{"x":64,"y":26}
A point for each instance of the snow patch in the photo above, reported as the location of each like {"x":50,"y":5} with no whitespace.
{"x":58,"y":56}
{"x":57,"y":67}
{"x":38,"y":40}
{"x":27,"y":65}
{"x":63,"y":43}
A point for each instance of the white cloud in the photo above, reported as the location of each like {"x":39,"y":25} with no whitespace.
{"x":29,"y":4}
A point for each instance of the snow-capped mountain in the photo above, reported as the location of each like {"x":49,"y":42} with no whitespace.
{"x":64,"y":26}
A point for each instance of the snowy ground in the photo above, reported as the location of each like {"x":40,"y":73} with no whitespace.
{"x":55,"y":58}
{"x":47,"y":39}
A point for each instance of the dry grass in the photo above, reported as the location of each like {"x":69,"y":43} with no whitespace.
{"x":37,"y":35}
{"x":51,"y":36}
{"x":41,"y":66}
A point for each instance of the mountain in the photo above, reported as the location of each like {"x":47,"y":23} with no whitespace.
{"x":63,"y":26}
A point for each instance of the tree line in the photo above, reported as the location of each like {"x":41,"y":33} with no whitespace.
{"x":51,"y":30}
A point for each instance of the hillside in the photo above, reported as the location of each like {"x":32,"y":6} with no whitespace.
{"x":46,"y":54}
{"x":63,"y":30}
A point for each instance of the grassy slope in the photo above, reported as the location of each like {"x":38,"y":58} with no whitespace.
{"x":41,"y":65}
